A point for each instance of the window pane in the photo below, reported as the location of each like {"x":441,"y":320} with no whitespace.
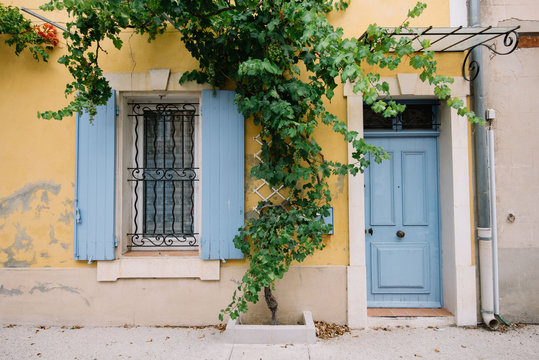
{"x":374,"y":121}
{"x":166,"y":179}
{"x":417,"y":117}
{"x":168,"y":157}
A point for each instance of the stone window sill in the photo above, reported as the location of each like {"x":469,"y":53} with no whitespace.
{"x":158,"y":264}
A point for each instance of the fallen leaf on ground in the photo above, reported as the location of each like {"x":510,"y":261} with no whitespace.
{"x":202,"y":336}
{"x":220,"y":327}
{"x":436,"y":350}
{"x":149,"y":340}
{"x":325,"y":330}
{"x":9,"y":326}
{"x":168,"y":337}
{"x":76,"y":327}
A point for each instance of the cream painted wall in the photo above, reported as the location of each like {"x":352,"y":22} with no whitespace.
{"x":511,"y":84}
{"x":511,"y":90}
{"x":71,"y":296}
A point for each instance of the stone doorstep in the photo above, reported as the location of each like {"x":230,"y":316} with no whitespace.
{"x":272,"y":334}
{"x":405,"y":321}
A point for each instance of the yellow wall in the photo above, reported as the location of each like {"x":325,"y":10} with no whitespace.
{"x":37,"y":156}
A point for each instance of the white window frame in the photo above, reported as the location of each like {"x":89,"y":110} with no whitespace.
{"x":150,"y":264}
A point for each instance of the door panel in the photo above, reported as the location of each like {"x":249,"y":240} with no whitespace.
{"x":383,"y":199}
{"x":414,"y":188}
{"x":390,"y":277}
{"x":401,"y":208}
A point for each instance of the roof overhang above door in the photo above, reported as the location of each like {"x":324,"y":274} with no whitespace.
{"x":458,"y":39}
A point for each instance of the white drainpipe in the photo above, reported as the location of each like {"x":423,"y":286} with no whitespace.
{"x":494,"y":222}
{"x":488,"y":245}
{"x":486,"y":274}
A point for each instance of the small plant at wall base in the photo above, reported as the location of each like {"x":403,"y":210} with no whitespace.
{"x":284,"y":59}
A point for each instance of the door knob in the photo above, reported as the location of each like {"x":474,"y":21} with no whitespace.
{"x":370,"y":231}
{"x":400,"y":234}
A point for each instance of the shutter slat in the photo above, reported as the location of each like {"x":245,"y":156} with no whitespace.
{"x":94,"y":184}
{"x":222,"y":175}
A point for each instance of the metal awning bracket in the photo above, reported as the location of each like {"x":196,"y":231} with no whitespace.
{"x":461,"y":39}
{"x":510,"y":42}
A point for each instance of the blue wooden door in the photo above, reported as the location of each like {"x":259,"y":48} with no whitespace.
{"x":402,"y":224}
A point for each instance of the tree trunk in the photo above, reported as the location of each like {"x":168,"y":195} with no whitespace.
{"x":272,"y":304}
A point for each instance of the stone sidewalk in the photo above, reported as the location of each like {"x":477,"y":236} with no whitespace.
{"x":31,"y":342}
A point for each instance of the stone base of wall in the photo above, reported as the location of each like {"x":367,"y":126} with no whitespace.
{"x":519,"y":285}
{"x":73,"y":296}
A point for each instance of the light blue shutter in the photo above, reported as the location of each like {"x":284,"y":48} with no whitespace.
{"x":328,"y":220}
{"x":94,"y":184}
{"x":222,"y":175}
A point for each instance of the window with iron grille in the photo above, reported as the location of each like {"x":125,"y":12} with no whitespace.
{"x":418,"y":115}
{"x":164,"y":175}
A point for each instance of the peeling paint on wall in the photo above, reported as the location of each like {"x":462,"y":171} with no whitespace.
{"x":22,"y":240}
{"x":45,"y":197}
{"x":66,"y":217}
{"x":27,"y":216}
{"x":53,"y":240}
{"x":48,"y":287}
{"x":22,"y":198}
{"x":10,"y":292}
{"x":12,"y":262}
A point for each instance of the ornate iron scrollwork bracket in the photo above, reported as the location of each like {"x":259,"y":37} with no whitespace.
{"x":510,"y":41}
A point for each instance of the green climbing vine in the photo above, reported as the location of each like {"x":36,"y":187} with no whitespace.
{"x":284,"y":59}
{"x":21,"y":34}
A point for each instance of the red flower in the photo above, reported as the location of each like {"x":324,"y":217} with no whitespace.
{"x":48,"y":33}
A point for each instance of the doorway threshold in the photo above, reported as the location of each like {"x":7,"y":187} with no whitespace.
{"x":409,"y":317}
{"x":407,"y":312}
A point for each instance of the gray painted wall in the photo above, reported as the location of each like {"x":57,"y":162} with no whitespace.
{"x":512,"y":88}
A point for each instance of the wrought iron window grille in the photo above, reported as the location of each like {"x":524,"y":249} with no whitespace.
{"x":164,"y":175}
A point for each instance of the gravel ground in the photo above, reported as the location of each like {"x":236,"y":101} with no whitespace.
{"x":26,"y":342}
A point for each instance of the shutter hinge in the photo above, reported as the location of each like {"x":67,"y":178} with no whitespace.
{"x":117,"y":110}
{"x":115,"y":241}
{"x":78,"y":218}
